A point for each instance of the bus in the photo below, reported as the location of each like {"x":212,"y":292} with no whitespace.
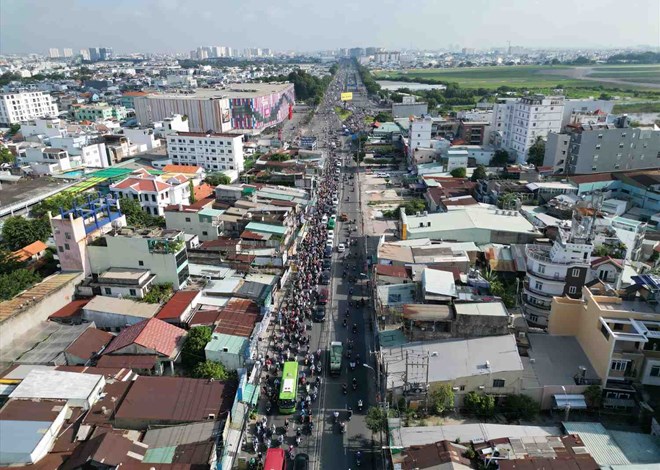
{"x":289,"y":388}
{"x":275,"y":459}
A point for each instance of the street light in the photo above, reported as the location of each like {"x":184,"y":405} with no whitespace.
{"x":368,"y":367}
{"x":567,"y":407}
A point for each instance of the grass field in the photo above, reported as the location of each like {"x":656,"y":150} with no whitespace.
{"x":622,"y":77}
{"x":342,"y":113}
{"x":637,"y":108}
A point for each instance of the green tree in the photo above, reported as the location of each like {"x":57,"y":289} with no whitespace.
{"x":8,"y":262}
{"x":442,"y":399}
{"x":507,"y":201}
{"x":593,"y":395}
{"x":158,"y":294}
{"x":192,"y":352}
{"x":16,"y":281}
{"x":536,"y":152}
{"x":519,"y":407}
{"x":191,"y":188}
{"x":18,"y":232}
{"x":383,"y":117}
{"x":376,"y":419}
{"x":414,"y":205}
{"x":6,"y":156}
{"x":479,"y":173}
{"x":136,"y":217}
{"x":210,"y":370}
{"x":500,"y":158}
{"x":13,"y":129}
{"x":479,"y":405}
{"x":215,"y":179}
{"x":458,"y":172}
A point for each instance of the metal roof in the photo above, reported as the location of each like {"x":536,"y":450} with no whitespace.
{"x":20,"y":438}
{"x":598,"y":442}
{"x":267,"y":228}
{"x":57,"y":385}
{"x":230,"y":344}
{"x":571,"y":401}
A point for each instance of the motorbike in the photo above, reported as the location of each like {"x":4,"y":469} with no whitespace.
{"x":351,"y":365}
{"x":344,"y":389}
{"x":360,"y":405}
{"x":358,"y":458}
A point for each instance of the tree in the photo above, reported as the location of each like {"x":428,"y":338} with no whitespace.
{"x":442,"y":399}
{"x":6,"y":156}
{"x":53,"y":204}
{"x":500,"y":158}
{"x":192,"y":352}
{"x":376,"y":419}
{"x":536,"y":152}
{"x":136,"y":217}
{"x":215,"y":179}
{"x":414,"y":205}
{"x":13,"y":129}
{"x":16,"y":281}
{"x":517,"y":407}
{"x":479,"y":173}
{"x":458,"y":172}
{"x":508,"y":201}
{"x":383,"y":117}
{"x":18,"y":232}
{"x":593,"y":395}
{"x":158,"y":294}
{"x":8,"y":262}
{"x":479,"y":405}
{"x":210,"y":370}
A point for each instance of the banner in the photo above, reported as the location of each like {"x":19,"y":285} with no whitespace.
{"x":348,"y":96}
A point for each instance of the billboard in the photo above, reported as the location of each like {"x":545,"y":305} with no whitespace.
{"x":348,"y":96}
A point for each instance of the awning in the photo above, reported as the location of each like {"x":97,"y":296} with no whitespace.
{"x":575,"y":402}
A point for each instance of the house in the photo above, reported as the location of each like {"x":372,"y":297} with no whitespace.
{"x":489,"y":365}
{"x":180,"y":308}
{"x":31,"y":252}
{"x":87,"y":347}
{"x":107,"y":450}
{"x":180,"y":400}
{"x":29,"y":428}
{"x":118,"y":282}
{"x":152,"y":337}
{"x":232,"y":342}
{"x":78,"y":390}
{"x":388,"y":274}
{"x":194,"y":443}
{"x":114,"y":314}
{"x":154,"y":193}
{"x":439,"y":455}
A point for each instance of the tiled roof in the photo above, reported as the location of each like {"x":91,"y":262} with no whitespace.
{"x":604,"y":259}
{"x":127,"y":361}
{"x":181,"y":169}
{"x":175,"y":307}
{"x":90,"y":343}
{"x":394,"y":271}
{"x":72,"y":309}
{"x":29,"y":251}
{"x":594,"y":178}
{"x":141,"y":184}
{"x":203,"y":191}
{"x":152,"y":334}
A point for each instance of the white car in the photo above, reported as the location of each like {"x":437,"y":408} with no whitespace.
{"x":324,"y":219}
{"x":331,"y":234}
{"x":341,"y":248}
{"x":329,"y":244}
{"x":335,"y":201}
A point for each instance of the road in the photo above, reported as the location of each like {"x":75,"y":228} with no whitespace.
{"x":326,"y":446}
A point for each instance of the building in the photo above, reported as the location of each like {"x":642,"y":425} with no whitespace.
{"x":476,"y":224}
{"x":592,"y":148}
{"x":558,"y":270}
{"x":619,"y":333}
{"x":161,"y":251}
{"x":473,"y":132}
{"x":248,"y":107}
{"x":409,"y":107}
{"x":77,"y":390}
{"x":180,"y":308}
{"x":419,"y":135}
{"x":67,"y":52}
{"x":489,"y":365}
{"x":204,"y":221}
{"x":212,"y":151}
{"x":154,"y":193}
{"x":53,"y":53}
{"x":127,"y":99}
{"x":87,"y":347}
{"x":73,"y":230}
{"x":522,"y":121}
{"x":30,"y":253}
{"x":145,"y":139}
{"x":98,"y":112}
{"x":573,"y":107}
{"x":24,"y":106}
{"x":114,"y":314}
{"x":90,"y":149}
{"x":118,"y":282}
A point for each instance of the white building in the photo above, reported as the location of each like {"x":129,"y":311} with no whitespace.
{"x":54,"y":53}
{"x":419,"y":135}
{"x":68,"y":52}
{"x":170,"y":125}
{"x":213,"y":152}
{"x":49,"y":161}
{"x":45,"y":127}
{"x":144,"y":138}
{"x":24,"y":106}
{"x":92,"y":153}
{"x":153,"y":192}
{"x":519,"y":122}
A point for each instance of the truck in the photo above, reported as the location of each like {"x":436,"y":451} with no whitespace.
{"x":336,"y":354}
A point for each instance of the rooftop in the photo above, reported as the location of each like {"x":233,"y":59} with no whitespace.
{"x":230,"y":344}
{"x":234,"y":90}
{"x":89,"y":344}
{"x":180,"y":400}
{"x":494,"y":309}
{"x":118,"y":306}
{"x":56,"y":385}
{"x":177,"y":305}
{"x":454,"y":359}
{"x":31,"y":410}
{"x":557,"y":359}
{"x":152,"y":334}
{"x":29,"y":251}
{"x":44,"y":343}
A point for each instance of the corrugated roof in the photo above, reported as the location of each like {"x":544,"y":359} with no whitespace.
{"x":427,"y":312}
{"x":393,"y":271}
{"x":128,"y":361}
{"x":176,"y":306}
{"x":152,"y":334}
{"x":230,"y":344}
{"x":90,"y":343}
{"x":598,"y":442}
{"x":35,"y":294}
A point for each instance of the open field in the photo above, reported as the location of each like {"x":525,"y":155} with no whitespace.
{"x":616,"y":76}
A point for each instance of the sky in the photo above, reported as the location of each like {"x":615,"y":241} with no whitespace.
{"x":307,"y":25}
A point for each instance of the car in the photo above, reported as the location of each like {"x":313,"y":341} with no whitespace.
{"x":341,"y":248}
{"x":335,"y":201}
{"x":333,"y":217}
{"x":329,"y":244}
{"x":325,"y":278}
{"x":319,"y":313}
{"x":301,"y":462}
{"x":328,"y":252}
{"x":323,"y":296}
{"x":331,"y":234}
{"x":327,"y":264}
{"x":324,"y":219}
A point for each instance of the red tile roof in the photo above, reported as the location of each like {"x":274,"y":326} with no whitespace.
{"x":89,"y":343}
{"x":181,"y":169}
{"x":393,"y":271}
{"x":29,"y":251}
{"x":152,"y":334}
{"x":141,"y":184}
{"x":594,"y":178}
{"x":204,"y":318}
{"x":604,"y":259}
{"x":203,"y":191}
{"x":70,"y":310}
{"x":128,"y":361}
{"x":135,"y":93}
{"x":177,"y":305}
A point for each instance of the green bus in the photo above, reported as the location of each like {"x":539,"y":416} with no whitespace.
{"x":289,"y":388}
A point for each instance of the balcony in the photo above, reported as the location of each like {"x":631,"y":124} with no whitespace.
{"x":548,"y":276}
{"x":529,"y":299}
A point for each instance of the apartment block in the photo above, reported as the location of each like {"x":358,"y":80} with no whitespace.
{"x":213,"y":152}
{"x":98,"y":112}
{"x":24,"y":106}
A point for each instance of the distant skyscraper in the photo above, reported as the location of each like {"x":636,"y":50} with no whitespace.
{"x":85,"y":54}
{"x":94,"y":54}
{"x":67,"y":52}
{"x":105,"y":53}
{"x":53,"y":53}
{"x":193,"y":55}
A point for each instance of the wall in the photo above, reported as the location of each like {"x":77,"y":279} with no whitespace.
{"x":401,"y":110}
{"x":203,"y":114}
{"x":110,"y":321}
{"x":646,"y":377}
{"x":512,"y":384}
{"x":466,"y":326}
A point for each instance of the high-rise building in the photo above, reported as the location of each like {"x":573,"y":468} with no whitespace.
{"x":105,"y":53}
{"x":24,"y":106}
{"x":213,"y":152}
{"x":94,"y":54}
{"x":519,"y":122}
{"x":85,"y":54}
{"x":68,"y":52}
{"x":53,"y":53}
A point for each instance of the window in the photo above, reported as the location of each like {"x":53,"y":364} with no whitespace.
{"x":140,"y":263}
{"x":60,"y":249}
{"x":606,"y":334}
{"x":655,"y":371}
{"x":462,"y":388}
{"x":205,"y":233}
{"x":534,"y":318}
{"x":572,"y":290}
{"x":187,"y":219}
{"x":597,"y":146}
{"x":575,"y":272}
{"x":541,"y":269}
{"x":538,"y":285}
{"x":107,"y":291}
{"x":67,"y":235}
{"x":132,"y":292}
{"x":66,"y":246}
{"x":619,"y":365}
{"x":498,"y":383}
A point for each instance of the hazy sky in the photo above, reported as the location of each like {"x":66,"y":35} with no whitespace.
{"x":181,"y":25}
